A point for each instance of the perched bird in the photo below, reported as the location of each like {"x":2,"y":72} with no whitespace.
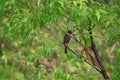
{"x":66,"y":39}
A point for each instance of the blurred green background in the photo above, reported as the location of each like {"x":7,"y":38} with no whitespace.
{"x":32,"y":31}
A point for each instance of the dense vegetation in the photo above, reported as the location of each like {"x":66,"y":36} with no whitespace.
{"x":31,"y":39}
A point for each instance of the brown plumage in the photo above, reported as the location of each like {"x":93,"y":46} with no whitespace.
{"x":66,"y":39}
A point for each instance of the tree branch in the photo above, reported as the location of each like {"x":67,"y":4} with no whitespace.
{"x":97,"y":57}
{"x":95,"y":67}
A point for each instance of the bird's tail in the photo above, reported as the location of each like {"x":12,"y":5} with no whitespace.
{"x":65,"y":49}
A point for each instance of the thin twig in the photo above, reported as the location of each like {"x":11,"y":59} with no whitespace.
{"x":95,"y":67}
{"x":74,"y":52}
{"x":54,"y":35}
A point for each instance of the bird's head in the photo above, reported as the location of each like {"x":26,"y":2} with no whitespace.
{"x":69,"y":31}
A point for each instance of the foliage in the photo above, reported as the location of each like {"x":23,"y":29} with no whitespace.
{"x":32,"y":32}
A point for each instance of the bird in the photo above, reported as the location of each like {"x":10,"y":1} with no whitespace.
{"x":66,"y":39}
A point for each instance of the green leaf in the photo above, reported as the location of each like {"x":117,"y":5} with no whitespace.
{"x":98,"y":15}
